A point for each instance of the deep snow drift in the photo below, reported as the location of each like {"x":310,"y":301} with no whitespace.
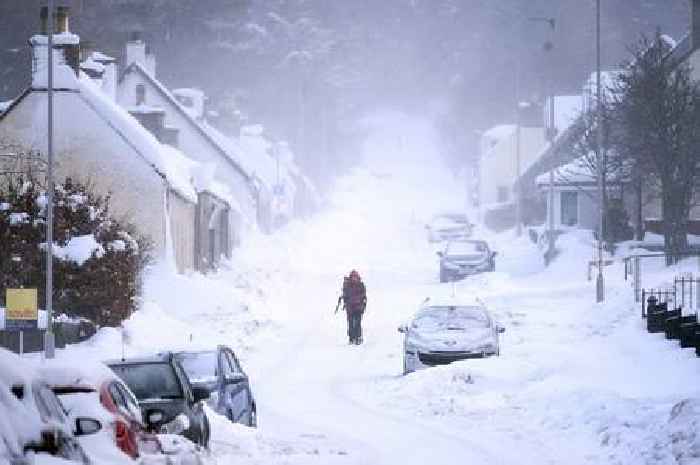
{"x":575,"y":383}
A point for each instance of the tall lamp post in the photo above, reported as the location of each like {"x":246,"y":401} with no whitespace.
{"x":49,"y":342}
{"x":550,"y":135}
{"x":600,"y":283}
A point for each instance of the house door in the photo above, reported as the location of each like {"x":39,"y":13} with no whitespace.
{"x":569,"y":208}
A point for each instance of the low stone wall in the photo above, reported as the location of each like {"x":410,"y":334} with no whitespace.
{"x":65,"y":333}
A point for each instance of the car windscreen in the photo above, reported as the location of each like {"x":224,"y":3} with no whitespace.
{"x":446,"y":318}
{"x":466,"y":249}
{"x":150,"y":380}
{"x":199,"y":366}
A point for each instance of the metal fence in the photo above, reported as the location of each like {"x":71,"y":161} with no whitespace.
{"x":633,"y":268}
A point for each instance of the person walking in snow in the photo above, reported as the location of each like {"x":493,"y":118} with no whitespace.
{"x":354,"y":297}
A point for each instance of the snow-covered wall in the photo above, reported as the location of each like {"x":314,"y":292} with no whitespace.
{"x":87,"y":148}
{"x":497,"y":164}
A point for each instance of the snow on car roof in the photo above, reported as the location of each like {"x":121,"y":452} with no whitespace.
{"x":13,"y":370}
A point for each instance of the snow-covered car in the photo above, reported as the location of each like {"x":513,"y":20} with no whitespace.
{"x":448,"y":227}
{"x":220,"y":372}
{"x":34,"y":427}
{"x":444,"y":333}
{"x":165,"y":394}
{"x":115,"y":405}
{"x":460,"y":259}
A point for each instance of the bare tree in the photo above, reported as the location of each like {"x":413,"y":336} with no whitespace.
{"x":657,"y":112}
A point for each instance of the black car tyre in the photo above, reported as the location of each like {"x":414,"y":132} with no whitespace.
{"x":253,"y":418}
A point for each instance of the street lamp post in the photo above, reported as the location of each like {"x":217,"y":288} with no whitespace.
{"x":49,"y":342}
{"x":550,"y":135}
{"x":600,"y":283}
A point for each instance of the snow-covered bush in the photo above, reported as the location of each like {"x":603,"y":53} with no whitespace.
{"x":97,"y":260}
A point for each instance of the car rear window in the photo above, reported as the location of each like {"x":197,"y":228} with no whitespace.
{"x":150,"y":380}
{"x":199,"y":366}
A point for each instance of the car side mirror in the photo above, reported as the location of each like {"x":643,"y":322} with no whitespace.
{"x":200,"y":393}
{"x":500,"y":328}
{"x":403,"y":329}
{"x":86,"y":426}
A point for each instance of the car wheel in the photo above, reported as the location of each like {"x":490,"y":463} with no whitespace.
{"x":253,"y":418}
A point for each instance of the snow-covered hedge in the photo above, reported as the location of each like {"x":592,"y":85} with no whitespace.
{"x":97,"y":260}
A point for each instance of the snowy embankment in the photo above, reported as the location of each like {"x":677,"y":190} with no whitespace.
{"x":576,"y":382}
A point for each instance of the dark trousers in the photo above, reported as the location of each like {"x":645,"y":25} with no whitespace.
{"x":354,"y":325}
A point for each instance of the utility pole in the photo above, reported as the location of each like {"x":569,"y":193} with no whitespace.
{"x":518,"y":122}
{"x":550,"y":135}
{"x":49,"y":341}
{"x":600,"y":283}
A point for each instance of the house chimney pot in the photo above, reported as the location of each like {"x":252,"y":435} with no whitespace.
{"x":62,"y":16}
{"x":44,"y":17}
{"x":135,"y":36}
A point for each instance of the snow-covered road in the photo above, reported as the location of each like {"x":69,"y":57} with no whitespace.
{"x":577,"y":383}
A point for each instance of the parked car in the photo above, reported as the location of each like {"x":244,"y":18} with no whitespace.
{"x":460,"y":259}
{"x":221,"y":374}
{"x":444,"y":333}
{"x":117,"y":407}
{"x":164,"y":393}
{"x":33,"y":419}
{"x":448,"y":227}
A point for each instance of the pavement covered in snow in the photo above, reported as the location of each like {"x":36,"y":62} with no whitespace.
{"x":576,"y":382}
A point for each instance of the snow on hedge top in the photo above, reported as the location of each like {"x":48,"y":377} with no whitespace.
{"x":170,"y":162}
{"x":79,"y":249}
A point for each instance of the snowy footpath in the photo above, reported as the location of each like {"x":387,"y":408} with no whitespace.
{"x":576,"y":382}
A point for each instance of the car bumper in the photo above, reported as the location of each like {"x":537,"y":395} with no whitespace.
{"x":425,"y":359}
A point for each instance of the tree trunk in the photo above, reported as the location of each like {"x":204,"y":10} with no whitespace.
{"x":638,"y":217}
{"x":675,"y":218}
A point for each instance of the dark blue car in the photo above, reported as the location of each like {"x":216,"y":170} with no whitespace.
{"x":220,"y":372}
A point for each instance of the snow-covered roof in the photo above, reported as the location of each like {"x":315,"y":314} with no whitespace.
{"x":102,"y":58}
{"x":575,"y":172}
{"x":196,"y":125}
{"x":5,"y":105}
{"x":92,"y":65}
{"x":167,"y":160}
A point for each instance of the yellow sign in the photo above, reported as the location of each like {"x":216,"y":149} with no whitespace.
{"x":21,"y":304}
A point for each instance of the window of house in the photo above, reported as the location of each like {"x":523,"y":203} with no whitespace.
{"x":569,"y":208}
{"x":140,"y":94}
{"x":502,"y":194}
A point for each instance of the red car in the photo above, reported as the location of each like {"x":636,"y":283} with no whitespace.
{"x":120,"y":407}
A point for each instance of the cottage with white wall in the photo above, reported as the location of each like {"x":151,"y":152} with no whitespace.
{"x":158,"y":109}
{"x":151,"y":184}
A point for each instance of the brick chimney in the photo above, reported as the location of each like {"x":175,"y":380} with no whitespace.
{"x":66,"y":51}
{"x":694,"y":24}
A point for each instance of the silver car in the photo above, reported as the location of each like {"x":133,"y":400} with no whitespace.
{"x":442,"y":334}
{"x":448,"y":227}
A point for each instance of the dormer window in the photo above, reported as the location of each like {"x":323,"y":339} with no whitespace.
{"x":140,"y":94}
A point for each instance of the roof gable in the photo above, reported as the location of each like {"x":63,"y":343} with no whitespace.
{"x":195,"y":125}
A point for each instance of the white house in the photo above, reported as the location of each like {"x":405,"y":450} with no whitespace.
{"x":164,"y":114}
{"x":151,"y":184}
